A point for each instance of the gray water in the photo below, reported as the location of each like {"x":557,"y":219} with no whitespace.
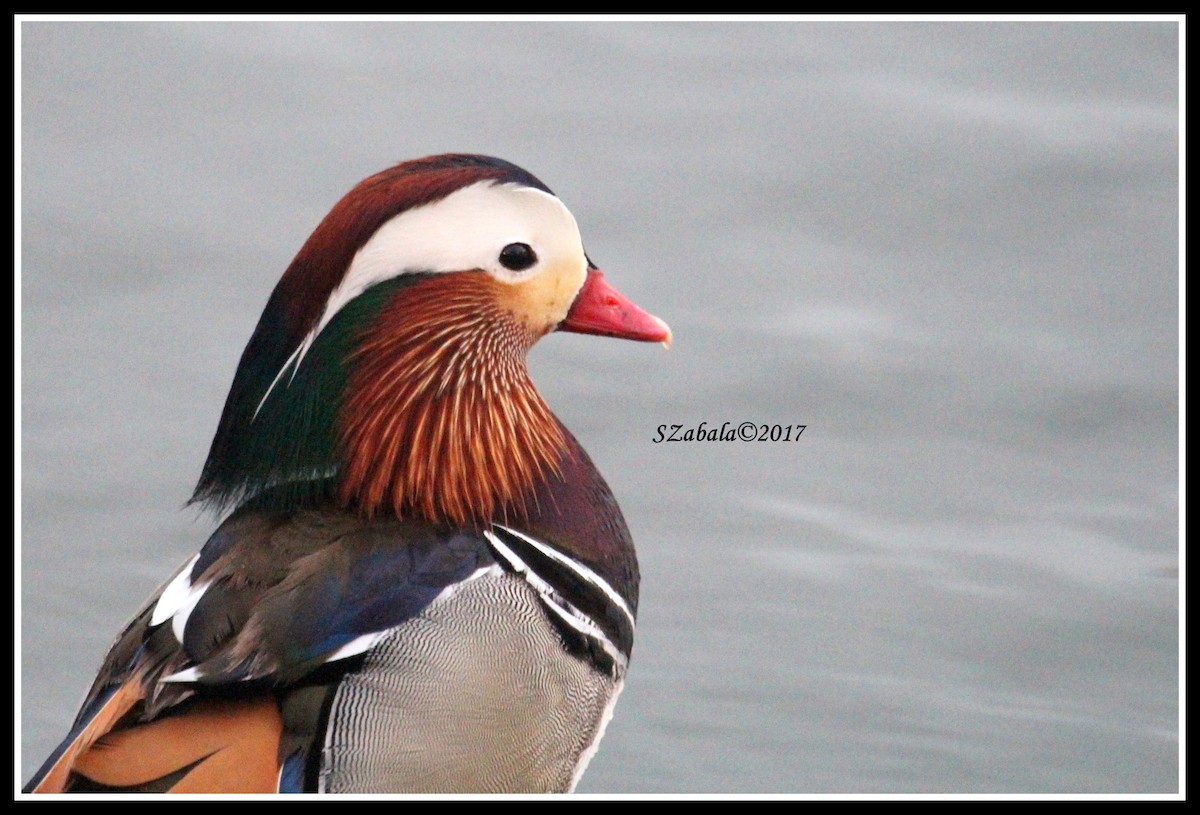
{"x":948,"y":249}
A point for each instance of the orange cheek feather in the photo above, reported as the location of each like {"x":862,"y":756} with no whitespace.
{"x":542,"y":302}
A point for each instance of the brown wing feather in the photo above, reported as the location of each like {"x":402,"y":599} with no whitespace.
{"x":121,"y":702}
{"x":215,"y":746}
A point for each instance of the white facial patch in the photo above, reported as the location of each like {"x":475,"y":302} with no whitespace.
{"x":464,"y":231}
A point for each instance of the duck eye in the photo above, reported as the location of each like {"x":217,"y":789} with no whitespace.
{"x":517,"y":257}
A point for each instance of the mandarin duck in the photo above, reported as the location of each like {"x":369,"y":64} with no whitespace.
{"x":423,"y":584}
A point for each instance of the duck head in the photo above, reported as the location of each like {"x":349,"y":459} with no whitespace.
{"x":388,"y":368}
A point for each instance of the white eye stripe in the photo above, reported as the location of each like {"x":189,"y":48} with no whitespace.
{"x":466,"y":230}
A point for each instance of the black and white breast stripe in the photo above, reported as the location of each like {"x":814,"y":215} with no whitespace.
{"x":594,"y":619}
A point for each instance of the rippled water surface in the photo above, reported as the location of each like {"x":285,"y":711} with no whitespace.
{"x":949,"y":250}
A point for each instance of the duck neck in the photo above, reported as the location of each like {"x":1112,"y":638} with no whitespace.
{"x":441,"y":420}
